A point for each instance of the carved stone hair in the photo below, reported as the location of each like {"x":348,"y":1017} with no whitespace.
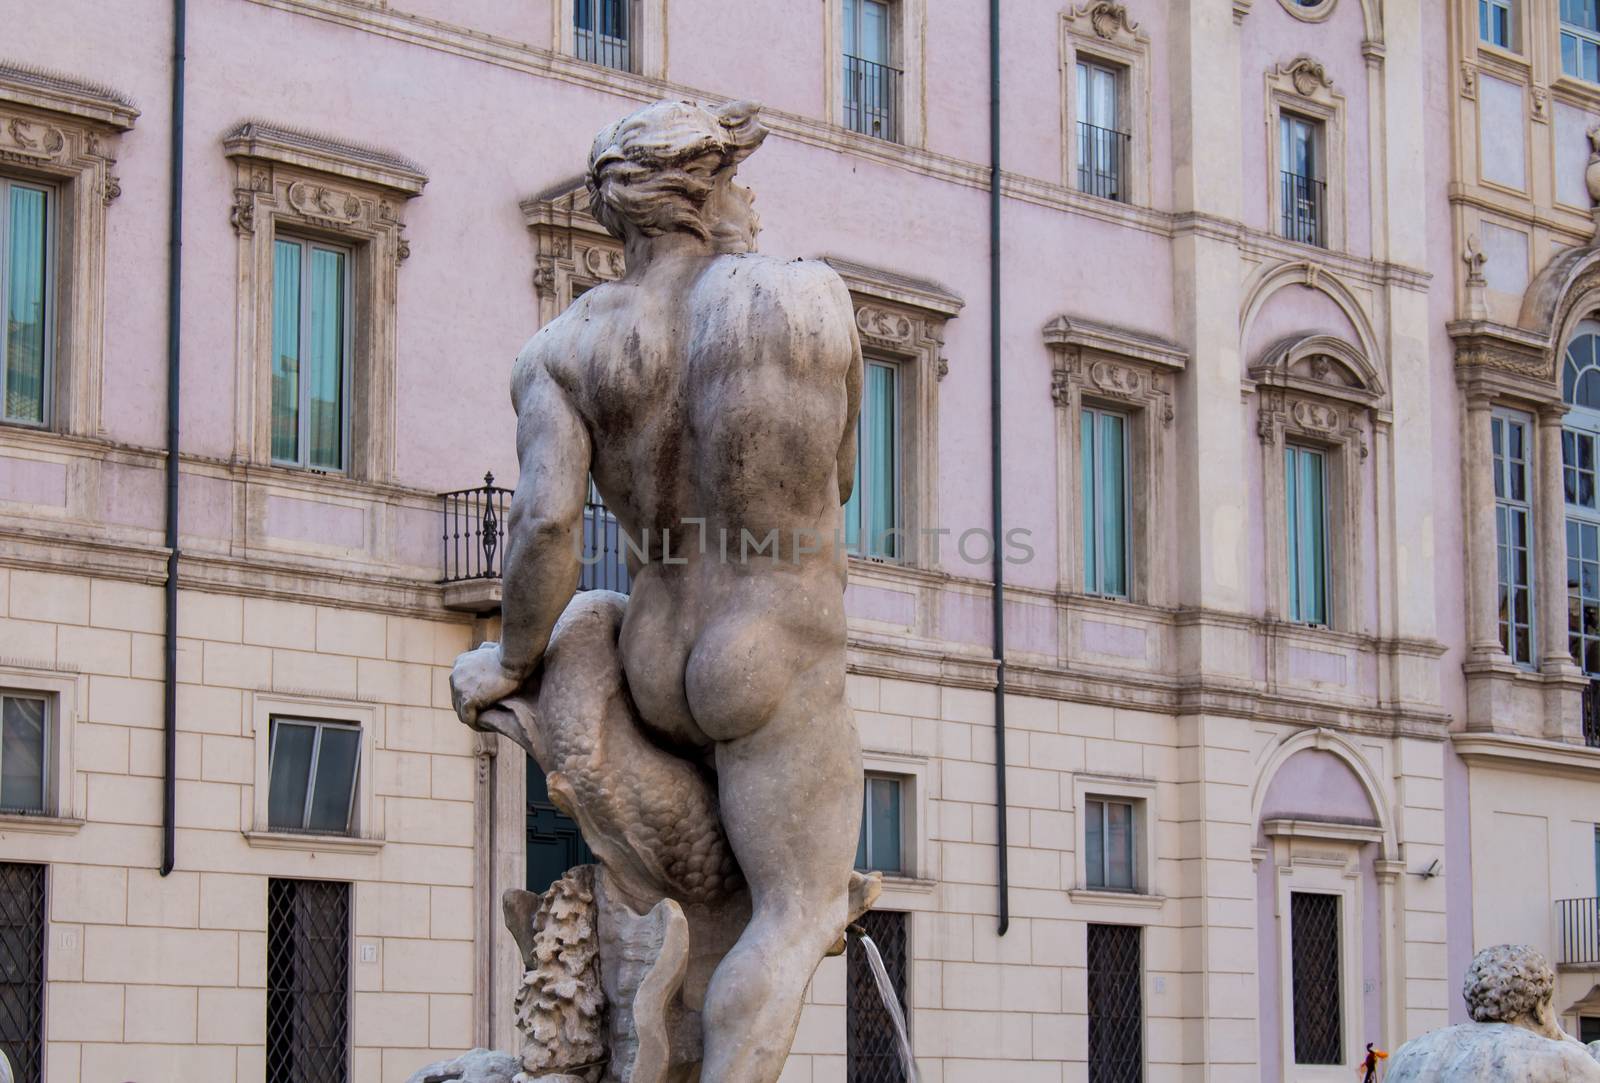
{"x":636,"y":167}
{"x":1506,"y":983}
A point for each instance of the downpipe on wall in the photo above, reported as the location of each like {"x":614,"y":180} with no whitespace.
{"x":996,"y":531}
{"x":169,"y":721}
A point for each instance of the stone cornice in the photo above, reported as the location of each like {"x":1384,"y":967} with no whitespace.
{"x":325,"y":154}
{"x":1527,"y":754}
{"x":893,"y":286}
{"x":1073,"y":332}
{"x":54,"y":92}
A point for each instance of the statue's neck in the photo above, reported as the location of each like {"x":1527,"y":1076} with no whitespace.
{"x":643,"y":252}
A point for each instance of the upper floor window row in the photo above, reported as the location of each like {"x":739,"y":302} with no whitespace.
{"x":1494,"y":22}
{"x":1304,"y":196}
{"x":1580,"y":39}
{"x":27,"y":300}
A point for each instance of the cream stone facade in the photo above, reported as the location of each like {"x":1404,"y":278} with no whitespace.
{"x":1232,"y":304}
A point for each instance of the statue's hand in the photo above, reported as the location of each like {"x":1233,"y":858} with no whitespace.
{"x":478,"y":681}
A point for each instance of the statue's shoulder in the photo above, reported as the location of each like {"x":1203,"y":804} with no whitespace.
{"x":789,"y":276}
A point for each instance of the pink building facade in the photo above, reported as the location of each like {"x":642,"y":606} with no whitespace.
{"x":1240,"y":657}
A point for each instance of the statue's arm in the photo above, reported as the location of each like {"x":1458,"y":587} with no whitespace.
{"x":544,"y":528}
{"x":852,"y":385}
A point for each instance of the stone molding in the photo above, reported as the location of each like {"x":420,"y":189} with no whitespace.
{"x":1132,"y":372}
{"x":61,"y":131}
{"x":1528,"y":754}
{"x":318,"y":186}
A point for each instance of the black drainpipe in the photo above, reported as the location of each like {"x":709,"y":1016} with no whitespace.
{"x":996,"y":536}
{"x":169,"y":781}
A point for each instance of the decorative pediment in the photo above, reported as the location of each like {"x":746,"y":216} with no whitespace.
{"x":898,"y":313}
{"x":1071,"y":335}
{"x":1108,"y":20}
{"x":1307,"y":76}
{"x":1319,"y":365}
{"x":574,"y":250}
{"x":65,"y":95}
{"x":358,"y":162}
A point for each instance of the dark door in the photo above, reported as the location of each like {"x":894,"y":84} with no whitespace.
{"x":554,"y":844}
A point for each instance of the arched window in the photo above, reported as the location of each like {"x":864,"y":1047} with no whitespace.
{"x":1580,"y":433}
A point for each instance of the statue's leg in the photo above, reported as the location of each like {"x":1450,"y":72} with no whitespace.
{"x":791,"y":803}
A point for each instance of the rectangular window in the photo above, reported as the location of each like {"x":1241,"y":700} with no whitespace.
{"x":22,"y":932}
{"x":1318,"y":998}
{"x":313,"y":768}
{"x":1305,"y":504}
{"x":1303,"y":189}
{"x":1580,"y":39}
{"x":602,"y":32}
{"x":27,"y":300}
{"x":1513,"y":525}
{"x":872,"y":514}
{"x":310,"y":354}
{"x":1103,"y":437}
{"x":1494,"y":22}
{"x":880,"y":845}
{"x":308,"y":981}
{"x":24,"y":752}
{"x":871,"y":83}
{"x":1108,"y":844}
{"x":1583,"y":594}
{"x":1102,"y":139}
{"x":1116,"y":1004}
{"x":871,"y":1048}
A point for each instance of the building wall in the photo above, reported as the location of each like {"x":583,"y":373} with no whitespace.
{"x":1190,"y":695}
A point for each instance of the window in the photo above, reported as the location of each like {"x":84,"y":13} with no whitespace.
{"x":1580,"y":39}
{"x":602,"y":32}
{"x":871,"y":84}
{"x":881,"y":831}
{"x":22,"y":929}
{"x":1494,"y":22}
{"x":308,"y":981}
{"x":1588,"y":1029}
{"x":1116,"y":1009}
{"x":1318,"y":999}
{"x":1304,"y":193}
{"x":313,"y":770}
{"x":24,"y":752}
{"x":1102,"y":137}
{"x":1580,"y":390}
{"x":310,"y":353}
{"x":1513,"y":525}
{"x":871,"y":1046}
{"x":1108,"y":844}
{"x":1305,"y":491}
{"x":26,"y":288}
{"x":1104,"y":457}
{"x":872,"y":514}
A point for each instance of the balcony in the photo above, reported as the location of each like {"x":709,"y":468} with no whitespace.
{"x":1304,"y":202}
{"x":1102,"y":162}
{"x":1580,"y":932}
{"x":473,"y":549}
{"x":872,"y":98}
{"x":601,"y":33}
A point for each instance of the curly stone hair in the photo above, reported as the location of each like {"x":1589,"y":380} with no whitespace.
{"x":1506,"y":983}
{"x":638,"y":171}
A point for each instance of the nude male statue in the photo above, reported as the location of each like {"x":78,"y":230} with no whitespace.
{"x":711,"y":393}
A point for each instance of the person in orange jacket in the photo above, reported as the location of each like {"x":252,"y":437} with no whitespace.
{"x":1369,"y":1064}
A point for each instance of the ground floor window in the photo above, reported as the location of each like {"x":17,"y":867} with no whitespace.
{"x":308,"y":981}
{"x":870,"y":1043}
{"x":22,"y":926}
{"x":1116,"y":1005}
{"x":1314,"y":947}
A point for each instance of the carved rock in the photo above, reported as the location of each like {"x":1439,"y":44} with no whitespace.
{"x":477,"y":1066}
{"x":560,"y":1002}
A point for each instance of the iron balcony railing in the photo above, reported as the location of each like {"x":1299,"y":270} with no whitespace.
{"x":1591,"y":714}
{"x":1304,"y":200}
{"x":475,"y":535}
{"x":1102,"y":161}
{"x":1580,"y":930}
{"x":872,"y":98}
{"x":602,"y":33}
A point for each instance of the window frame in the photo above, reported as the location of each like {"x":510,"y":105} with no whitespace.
{"x":47,"y":751}
{"x":1092,"y":508}
{"x":907,"y":45}
{"x":1104,"y":816}
{"x":1314,"y":869}
{"x":1105,"y":37}
{"x":598,"y":46}
{"x":1501,"y":420}
{"x":1341,"y":965}
{"x":1084,"y":67}
{"x":1302,"y":88}
{"x":319,"y":726}
{"x":64,"y":795}
{"x":366,"y":826}
{"x":1316,"y":141}
{"x":48,"y":377}
{"x":310,"y":244}
{"x":855,"y":113}
{"x":1582,"y":35}
{"x":865,"y":547}
{"x":1142,"y":794}
{"x":1297,"y":578}
{"x":1486,"y":12}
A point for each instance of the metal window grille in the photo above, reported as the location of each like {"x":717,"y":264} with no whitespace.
{"x":22,"y":925}
{"x":308,"y":981}
{"x":1318,"y":1004}
{"x":602,"y":32}
{"x":872,"y":98}
{"x":1102,"y":161}
{"x":1116,"y":1008}
{"x":1580,"y":927}
{"x":870,"y":1045}
{"x":1303,"y":199}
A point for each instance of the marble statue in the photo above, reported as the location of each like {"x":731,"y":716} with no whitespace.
{"x":1514,"y":1036}
{"x":697,"y":730}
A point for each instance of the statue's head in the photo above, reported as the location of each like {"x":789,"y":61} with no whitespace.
{"x":669,"y":167}
{"x":1512,"y":983}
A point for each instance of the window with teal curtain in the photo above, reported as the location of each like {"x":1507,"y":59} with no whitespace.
{"x":872,"y":514}
{"x":1103,"y":451}
{"x":310,"y":332}
{"x":25,"y":275}
{"x":1305,"y":491}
